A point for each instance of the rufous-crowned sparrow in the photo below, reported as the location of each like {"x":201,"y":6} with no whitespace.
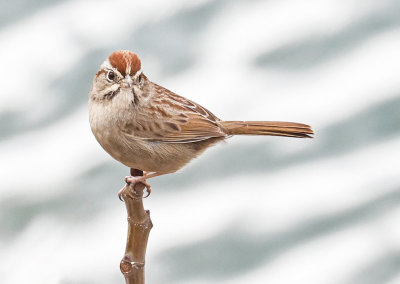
{"x":149,"y":128}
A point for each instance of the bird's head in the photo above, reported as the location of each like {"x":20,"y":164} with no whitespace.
{"x":121,"y":73}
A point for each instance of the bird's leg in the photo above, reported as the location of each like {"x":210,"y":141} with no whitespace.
{"x":138,"y":176}
{"x":146,"y":175}
{"x":141,"y":179}
{"x":134,"y":174}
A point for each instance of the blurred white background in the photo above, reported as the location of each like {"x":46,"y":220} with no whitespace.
{"x":252,"y":210}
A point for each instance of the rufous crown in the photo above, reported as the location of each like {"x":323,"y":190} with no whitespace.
{"x":125,"y":61}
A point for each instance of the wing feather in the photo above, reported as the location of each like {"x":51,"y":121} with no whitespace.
{"x":170,"y":118}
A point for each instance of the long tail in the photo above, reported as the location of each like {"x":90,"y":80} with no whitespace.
{"x":274,"y":128}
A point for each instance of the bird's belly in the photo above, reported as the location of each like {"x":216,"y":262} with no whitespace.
{"x":147,"y":155}
{"x":163,"y":157}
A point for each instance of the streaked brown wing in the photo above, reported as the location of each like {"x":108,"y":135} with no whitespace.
{"x":171,"y":118}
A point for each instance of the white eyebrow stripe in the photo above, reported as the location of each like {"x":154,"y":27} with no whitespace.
{"x":137,"y":74}
{"x":107,"y":66}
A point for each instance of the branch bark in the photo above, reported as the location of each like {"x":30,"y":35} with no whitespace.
{"x":139,"y":226}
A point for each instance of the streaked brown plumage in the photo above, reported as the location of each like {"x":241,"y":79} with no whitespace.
{"x":147,"y":127}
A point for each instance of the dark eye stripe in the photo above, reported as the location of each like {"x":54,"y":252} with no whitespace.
{"x":135,"y":97}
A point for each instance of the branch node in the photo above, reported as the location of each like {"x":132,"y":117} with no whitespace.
{"x":128,"y":266}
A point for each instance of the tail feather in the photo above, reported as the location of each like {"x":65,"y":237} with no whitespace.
{"x":273,"y":128}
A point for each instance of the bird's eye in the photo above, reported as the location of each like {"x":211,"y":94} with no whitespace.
{"x":110,"y":75}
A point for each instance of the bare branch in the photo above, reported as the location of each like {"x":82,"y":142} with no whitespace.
{"x":139,"y":226}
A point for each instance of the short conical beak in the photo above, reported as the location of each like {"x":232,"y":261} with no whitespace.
{"x":127,"y":82}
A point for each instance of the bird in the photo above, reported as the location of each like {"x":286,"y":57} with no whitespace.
{"x":150,"y":129}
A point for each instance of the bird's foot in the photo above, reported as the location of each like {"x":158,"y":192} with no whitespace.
{"x":131,"y":182}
